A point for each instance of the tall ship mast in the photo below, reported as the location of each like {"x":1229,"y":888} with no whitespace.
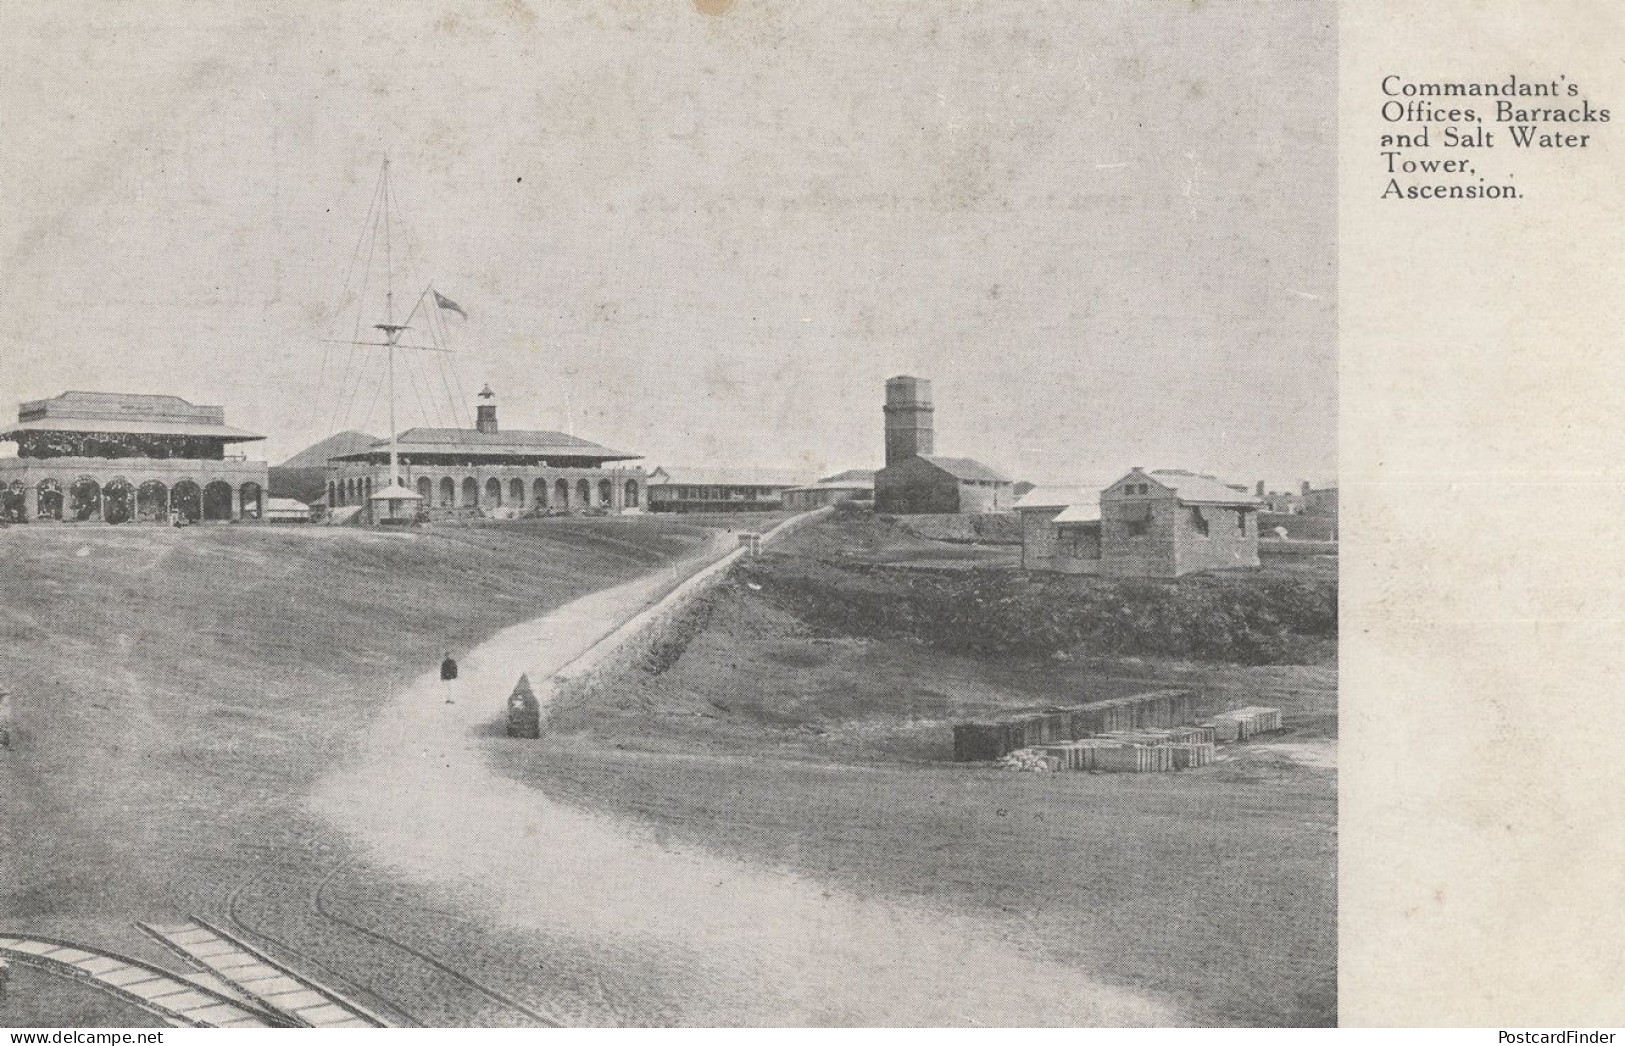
{"x":395,"y":496}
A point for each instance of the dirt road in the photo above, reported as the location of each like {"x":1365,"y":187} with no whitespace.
{"x":671,"y":935}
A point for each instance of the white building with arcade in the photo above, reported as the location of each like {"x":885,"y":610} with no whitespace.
{"x":487,"y":468}
{"x":117,"y":457}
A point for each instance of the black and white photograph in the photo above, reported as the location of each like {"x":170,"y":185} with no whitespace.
{"x":669,"y":513}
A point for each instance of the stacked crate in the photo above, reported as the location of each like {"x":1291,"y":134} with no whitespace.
{"x":1190,"y":755}
{"x":1201,"y":735}
{"x":1242,"y":723}
{"x":1159,"y":710}
{"x":1066,"y":755}
{"x":1139,"y":734}
{"x":1112,"y":756}
{"x":1131,"y":759}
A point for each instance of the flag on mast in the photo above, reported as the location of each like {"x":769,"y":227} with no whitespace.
{"x":447,"y":304}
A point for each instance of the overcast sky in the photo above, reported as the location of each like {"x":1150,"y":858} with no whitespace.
{"x":1104,"y":231}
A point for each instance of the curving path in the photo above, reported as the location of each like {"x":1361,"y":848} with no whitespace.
{"x":718,"y":942}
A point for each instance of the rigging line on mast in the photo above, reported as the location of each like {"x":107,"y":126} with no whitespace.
{"x":361,"y":308}
{"x":431,"y":416}
{"x":392,"y":335}
{"x":373,"y":404}
{"x":345,"y":398}
{"x":389,"y":270}
{"x":384,"y":345}
{"x":437,"y":336}
{"x":417,"y":305}
{"x":448,"y":406}
{"x":433,"y":320}
{"x":349,"y":273}
{"x":429,"y":374}
{"x":456,"y":375}
{"x":440,"y":408}
{"x":451,"y":401}
{"x":441,"y":341}
{"x":417,"y":395}
{"x":428,"y":385}
{"x":417,"y":391}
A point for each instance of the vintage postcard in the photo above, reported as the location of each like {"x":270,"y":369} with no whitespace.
{"x":692,"y":513}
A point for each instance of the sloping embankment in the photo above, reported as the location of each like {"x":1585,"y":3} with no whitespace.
{"x":634,"y":640}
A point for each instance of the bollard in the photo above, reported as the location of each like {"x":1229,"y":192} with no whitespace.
{"x":524,"y":711}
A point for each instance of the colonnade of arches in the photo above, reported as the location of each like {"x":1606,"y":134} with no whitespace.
{"x":85,"y":500}
{"x":447,"y":492}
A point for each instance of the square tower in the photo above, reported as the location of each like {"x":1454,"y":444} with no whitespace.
{"x":908,"y":419}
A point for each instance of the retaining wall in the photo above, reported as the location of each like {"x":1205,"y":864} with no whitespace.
{"x":632,"y":640}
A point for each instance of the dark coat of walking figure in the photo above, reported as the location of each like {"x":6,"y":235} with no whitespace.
{"x":448,"y":672}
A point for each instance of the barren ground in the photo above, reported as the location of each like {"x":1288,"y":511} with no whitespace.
{"x":756,"y":827}
{"x":828,"y":755}
{"x":177,"y":694}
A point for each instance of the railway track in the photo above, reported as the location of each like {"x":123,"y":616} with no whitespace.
{"x":256,"y":978}
{"x":180,"y":1001}
{"x":234,"y":916}
{"x":502,"y":998}
{"x":326,"y":910}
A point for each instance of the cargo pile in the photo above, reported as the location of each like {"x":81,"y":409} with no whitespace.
{"x":1029,"y":760}
{"x":1157,"y":710}
{"x":1242,"y":723}
{"x":1104,"y":754}
{"x":1145,"y":733}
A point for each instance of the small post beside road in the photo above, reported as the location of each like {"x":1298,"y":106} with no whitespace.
{"x":524,"y":711}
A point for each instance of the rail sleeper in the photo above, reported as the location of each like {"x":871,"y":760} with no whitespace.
{"x":257,"y":976}
{"x":175,"y":1000}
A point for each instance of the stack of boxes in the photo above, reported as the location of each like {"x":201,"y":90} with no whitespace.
{"x":1143,"y":733}
{"x":1242,"y":723}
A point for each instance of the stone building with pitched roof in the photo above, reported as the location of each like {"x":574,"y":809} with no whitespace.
{"x":936,"y":484}
{"x":1164,"y":523}
{"x":118,"y":457}
{"x":917,"y":480}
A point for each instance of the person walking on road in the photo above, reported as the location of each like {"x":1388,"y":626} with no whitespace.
{"x":448,"y":672}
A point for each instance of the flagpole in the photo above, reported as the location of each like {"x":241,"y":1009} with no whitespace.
{"x":393,"y":336}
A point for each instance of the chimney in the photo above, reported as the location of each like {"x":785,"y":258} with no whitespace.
{"x":485,"y":415}
{"x":1305,"y":488}
{"x":1260,"y":488}
{"x":908,"y":419}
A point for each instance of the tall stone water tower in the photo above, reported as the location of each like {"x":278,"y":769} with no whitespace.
{"x":908,"y":419}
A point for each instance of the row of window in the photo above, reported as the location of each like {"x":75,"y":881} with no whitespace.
{"x":674,"y":493}
{"x":449,"y":494}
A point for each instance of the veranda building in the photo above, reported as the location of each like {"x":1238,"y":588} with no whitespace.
{"x":120,"y":457}
{"x":485,"y":468}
